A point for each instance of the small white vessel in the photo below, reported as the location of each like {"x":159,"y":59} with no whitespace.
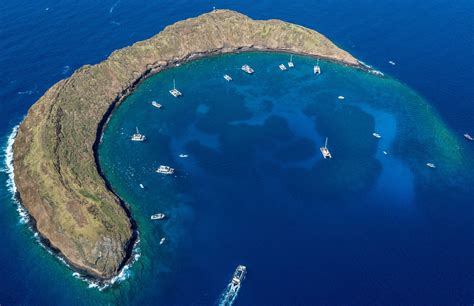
{"x":162,"y":240}
{"x":385,"y":152}
{"x":341,"y":97}
{"x":174,"y":92}
{"x":316,"y":68}
{"x":468,"y":137}
{"x":183,"y":155}
{"x":158,"y":216}
{"x":138,"y":137}
{"x":392,"y":63}
{"x":165,"y":170}
{"x":141,"y":186}
{"x":227,"y":77}
{"x":239,"y":275}
{"x":247,"y":69}
{"x":431,"y":165}
{"x":325,"y":150}
{"x":282,"y":67}
{"x":376,"y":135}
{"x":156,"y":104}
{"x":290,"y":63}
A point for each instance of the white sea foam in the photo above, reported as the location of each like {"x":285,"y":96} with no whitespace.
{"x":8,"y":169}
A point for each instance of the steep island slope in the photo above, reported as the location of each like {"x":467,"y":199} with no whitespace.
{"x":56,"y":171}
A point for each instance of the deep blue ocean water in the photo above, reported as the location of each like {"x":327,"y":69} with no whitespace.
{"x":376,"y":230}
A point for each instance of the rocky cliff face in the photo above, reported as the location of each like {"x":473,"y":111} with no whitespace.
{"x":56,"y":171}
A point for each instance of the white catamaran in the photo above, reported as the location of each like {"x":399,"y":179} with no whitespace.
{"x":325,"y":150}
{"x":174,"y":92}
{"x":137,"y":136}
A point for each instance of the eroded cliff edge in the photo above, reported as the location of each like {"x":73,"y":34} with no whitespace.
{"x":56,"y":171}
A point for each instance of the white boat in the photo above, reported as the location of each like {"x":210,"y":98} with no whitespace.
{"x":162,"y":240}
{"x":431,"y":165}
{"x":183,"y":155}
{"x":247,"y":69}
{"x":376,"y":135}
{"x":156,"y":104}
{"x":141,"y":186}
{"x":385,"y":152}
{"x":165,"y":170}
{"x":290,"y":63}
{"x":468,"y":137}
{"x":227,"y":77}
{"x":239,"y":275}
{"x":325,"y":150}
{"x":138,"y":137}
{"x":316,"y":68}
{"x":158,"y":216}
{"x":341,"y":97}
{"x":174,"y":92}
{"x":392,"y":63}
{"x":282,"y":67}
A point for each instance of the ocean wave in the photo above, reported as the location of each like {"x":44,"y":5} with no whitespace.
{"x":25,"y":218}
{"x":11,"y":187}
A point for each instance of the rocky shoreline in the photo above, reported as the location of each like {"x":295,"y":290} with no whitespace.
{"x":57,"y":173}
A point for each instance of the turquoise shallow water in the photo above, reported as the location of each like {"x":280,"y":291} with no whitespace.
{"x":255,"y":189}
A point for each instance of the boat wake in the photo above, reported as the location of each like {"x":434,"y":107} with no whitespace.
{"x":25,"y":218}
{"x":228,"y":296}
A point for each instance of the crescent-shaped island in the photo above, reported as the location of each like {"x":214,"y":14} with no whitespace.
{"x":56,"y":170}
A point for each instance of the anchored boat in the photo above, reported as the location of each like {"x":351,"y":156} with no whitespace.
{"x":290,"y":63}
{"x":174,"y":92}
{"x":137,"y":136}
{"x":247,"y":69}
{"x":165,"y":170}
{"x":227,"y":77}
{"x":431,"y":165}
{"x":325,"y":150}
{"x":316,"y":68}
{"x":376,"y":135}
{"x":156,"y":104}
{"x":282,"y":67}
{"x":158,"y":216}
{"x":468,"y":137}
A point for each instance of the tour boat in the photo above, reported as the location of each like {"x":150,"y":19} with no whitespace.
{"x":290,"y":63}
{"x":316,"y":68}
{"x":282,"y":67}
{"x":156,"y":104}
{"x":174,"y":92}
{"x":468,"y":137}
{"x":325,"y":150}
{"x":227,"y":78}
{"x":239,"y":275}
{"x":247,"y":69}
{"x":165,"y":170}
{"x":431,"y":165}
{"x":158,"y":216}
{"x":376,"y":135}
{"x":138,"y":137}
